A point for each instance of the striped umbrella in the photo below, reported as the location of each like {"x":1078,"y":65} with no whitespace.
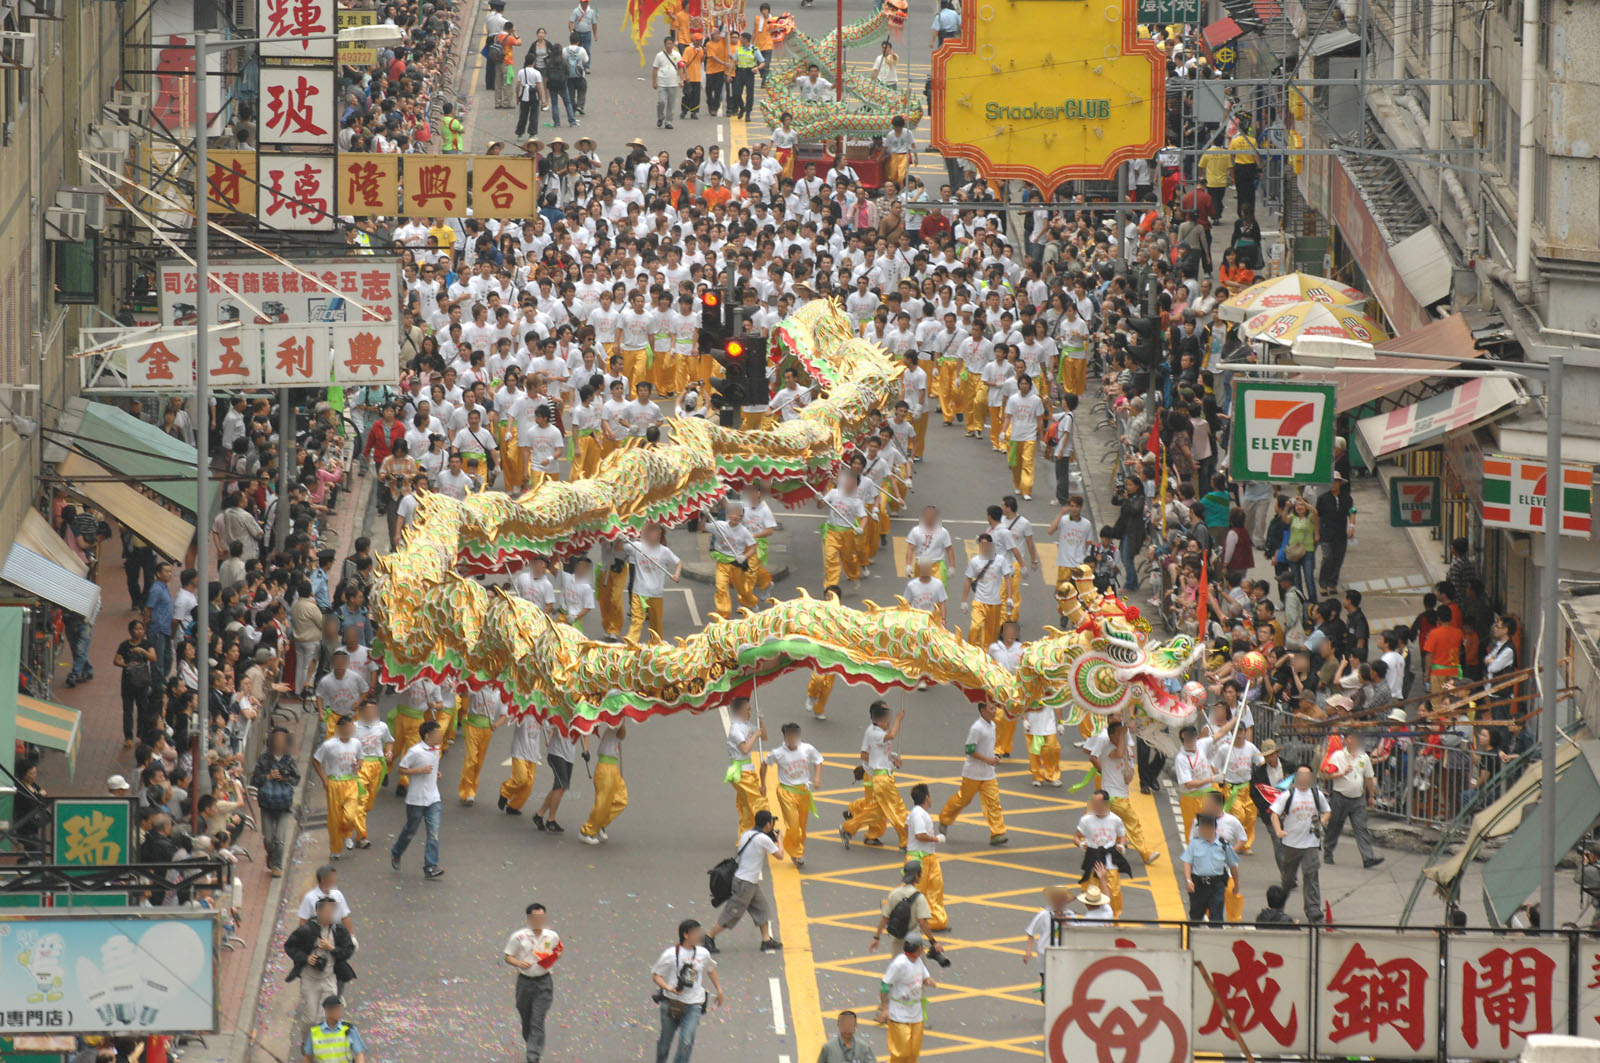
{"x":1289,"y":324}
{"x":1287,"y":290}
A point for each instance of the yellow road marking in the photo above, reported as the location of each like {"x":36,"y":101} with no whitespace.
{"x":799,"y":966}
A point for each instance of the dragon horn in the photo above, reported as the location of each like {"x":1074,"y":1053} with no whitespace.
{"x":1070,"y":605}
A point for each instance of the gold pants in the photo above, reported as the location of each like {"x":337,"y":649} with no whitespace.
{"x":613,"y":589}
{"x":885,"y":809}
{"x":585,"y":458}
{"x":406,"y":734}
{"x":1045,"y":765}
{"x":1005,"y":733}
{"x":634,"y":364}
{"x":1131,"y":823}
{"x":513,"y":459}
{"x":1114,"y":890}
{"x":795,"y":806}
{"x":919,"y":437}
{"x":370,"y":773}
{"x":905,"y":1042}
{"x":985,"y":626}
{"x":988,"y":793}
{"x":733,"y":580}
{"x":949,"y":390}
{"x":663,"y":371}
{"x":1074,"y":375}
{"x":644,"y":609}
{"x":839,"y":560}
{"x":748,"y":799}
{"x":1022,"y":471}
{"x":932,"y":886}
{"x":997,"y":417}
{"x":610,"y":798}
{"x":974,"y":401}
{"x":517,"y":789}
{"x":472,"y":764}
{"x":1011,"y":596}
{"x":346,"y":817}
{"x":1245,"y":809}
{"x":818,"y":687}
{"x":1233,"y":902}
{"x":446,"y":719}
{"x":1188,"y":808}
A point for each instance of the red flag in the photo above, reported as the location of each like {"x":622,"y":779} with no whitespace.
{"x":1269,"y":794}
{"x":1335,"y":743}
{"x":1203,"y":596}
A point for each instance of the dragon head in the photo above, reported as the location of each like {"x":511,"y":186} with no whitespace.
{"x":897,"y":12}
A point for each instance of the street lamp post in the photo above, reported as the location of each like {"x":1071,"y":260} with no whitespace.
{"x":202,"y":405}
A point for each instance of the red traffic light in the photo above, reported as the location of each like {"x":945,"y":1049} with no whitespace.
{"x":735,"y":349}
{"x":710,"y":299}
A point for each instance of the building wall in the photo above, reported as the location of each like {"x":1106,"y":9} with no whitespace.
{"x":46,"y":114}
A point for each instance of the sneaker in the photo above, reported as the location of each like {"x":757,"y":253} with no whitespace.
{"x":1153,"y":858}
{"x":1327,"y":857}
{"x":588,"y":839}
{"x":394,"y":860}
{"x":819,"y":716}
{"x":669,"y":125}
{"x":772,"y":945}
{"x":711,"y":944}
{"x":1056,"y":783}
{"x":1374,"y":862}
{"x":553,"y":827}
{"x":364,"y":843}
{"x":538,"y":821}
{"x":999,"y":839}
{"x":604,"y":836}
{"x":335,"y":856}
{"x":508,"y":810}
{"x":844,"y":835}
{"x":811,"y":704}
{"x":876,"y":843}
{"x":468,"y":802}
{"x":1037,"y":784}
{"x":433,"y":872}
{"x":799,"y":861}
{"x":349,"y":843}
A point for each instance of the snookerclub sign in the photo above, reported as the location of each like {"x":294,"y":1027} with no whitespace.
{"x":1283,"y":432}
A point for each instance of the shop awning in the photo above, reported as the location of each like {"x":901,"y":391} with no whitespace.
{"x":41,"y":576}
{"x":37,"y":535}
{"x":1221,"y":32}
{"x":166,"y":531}
{"x":51,"y":726}
{"x":140,"y":451}
{"x":1421,"y":424}
{"x":1448,"y":336}
{"x":1512,"y":873}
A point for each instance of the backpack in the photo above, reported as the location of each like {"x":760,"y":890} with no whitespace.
{"x":899,"y":924}
{"x":573,"y":63}
{"x":275,"y":795}
{"x":721,"y":876}
{"x":494,"y":48}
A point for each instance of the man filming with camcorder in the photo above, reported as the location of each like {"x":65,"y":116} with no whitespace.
{"x":680,"y":991}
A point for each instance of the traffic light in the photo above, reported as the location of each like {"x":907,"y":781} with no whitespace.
{"x":754,"y":364}
{"x":716,"y":322}
{"x":1147,"y":330}
{"x":728,"y":390}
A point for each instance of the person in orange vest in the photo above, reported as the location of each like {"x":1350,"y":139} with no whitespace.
{"x":763,"y":40}
{"x":693,"y":72}
{"x":719,"y":64}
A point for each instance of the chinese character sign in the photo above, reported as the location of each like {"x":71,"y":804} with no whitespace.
{"x":1377,"y":995}
{"x":435,"y":186}
{"x":296,"y":354}
{"x":163,"y":362}
{"x":1263,"y":980}
{"x":233,"y":358}
{"x":89,"y":974}
{"x":92,"y":832}
{"x":298,"y":105}
{"x":1501,"y":990}
{"x":297,"y":192}
{"x":369,"y":183}
{"x":285,"y":26}
{"x":356,"y":54}
{"x":233,"y":181}
{"x":284,"y":293}
{"x":1130,"y":1006}
{"x":365,"y":354}
{"x":504,"y":187}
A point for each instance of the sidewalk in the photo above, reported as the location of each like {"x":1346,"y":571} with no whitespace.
{"x":102,"y":754}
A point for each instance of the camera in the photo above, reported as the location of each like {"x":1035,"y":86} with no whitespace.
{"x":936,"y":954}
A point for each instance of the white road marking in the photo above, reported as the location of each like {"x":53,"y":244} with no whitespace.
{"x":722,"y":131}
{"x":783,"y":1059}
{"x":779,"y":1027}
{"x":688,"y":595}
{"x":506,"y":763}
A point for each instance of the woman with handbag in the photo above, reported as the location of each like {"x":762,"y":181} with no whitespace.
{"x":137,"y":659}
{"x":1301,"y":549}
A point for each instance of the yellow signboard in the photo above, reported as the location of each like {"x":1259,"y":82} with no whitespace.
{"x":1048,"y":91}
{"x":369,"y":183}
{"x":504,"y":187}
{"x":357,"y":54}
{"x":435,"y":186}
{"x":233,"y":181}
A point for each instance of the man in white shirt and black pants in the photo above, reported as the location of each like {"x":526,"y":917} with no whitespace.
{"x":1299,"y":816}
{"x":533,"y":950}
{"x":678,"y":975}
{"x":755,"y":845}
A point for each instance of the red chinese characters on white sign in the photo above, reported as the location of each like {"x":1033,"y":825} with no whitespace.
{"x":1262,"y":981}
{"x":296,"y":354}
{"x":365,"y":354}
{"x":233,"y":358}
{"x":285,"y":24}
{"x":1501,"y":991}
{"x":164,"y":362}
{"x":298,"y":106}
{"x":1378,"y":995}
{"x":297,"y":192}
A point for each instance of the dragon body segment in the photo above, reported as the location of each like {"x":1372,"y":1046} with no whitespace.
{"x":869,"y":106}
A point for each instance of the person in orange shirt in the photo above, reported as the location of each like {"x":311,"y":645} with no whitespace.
{"x":681,"y":23}
{"x":1443,"y":647}
{"x":763,"y":40}
{"x":717,"y":193}
{"x":693,"y":71}
{"x":719,"y":64}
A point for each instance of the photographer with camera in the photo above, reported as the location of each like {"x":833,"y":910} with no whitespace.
{"x":750,"y":860}
{"x":1299,"y":816}
{"x":678,"y":975}
{"x":907,"y":910}
{"x":733,"y":548}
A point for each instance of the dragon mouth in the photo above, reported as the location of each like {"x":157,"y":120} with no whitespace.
{"x":1162,"y":705}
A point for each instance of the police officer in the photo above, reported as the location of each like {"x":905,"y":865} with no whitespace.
{"x":742,"y":99}
{"x":334,"y":1040}
{"x":1208,"y":863}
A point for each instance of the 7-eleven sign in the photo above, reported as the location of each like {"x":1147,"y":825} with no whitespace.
{"x":1414,"y":501}
{"x":1516,"y":493}
{"x":1283,"y":432}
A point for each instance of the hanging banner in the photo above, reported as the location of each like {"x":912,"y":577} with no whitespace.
{"x":1377,"y":995}
{"x":297,"y":192}
{"x":298,"y":105}
{"x":369,"y":183}
{"x":133,"y":972}
{"x":1415,"y":501}
{"x":435,"y":186}
{"x":233,"y":181}
{"x":1516,"y":493}
{"x":296,"y":355}
{"x":162,"y":363}
{"x":1283,"y":432}
{"x":284,"y":26}
{"x":282,"y":293}
{"x":504,"y":187}
{"x":1501,"y":991}
{"x":1263,"y":980}
{"x":365,"y":355}
{"x":233,"y":358}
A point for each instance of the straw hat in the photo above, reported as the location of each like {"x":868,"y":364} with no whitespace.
{"x":1269,"y":746}
{"x":1398,"y":716}
{"x":1092,"y":897}
{"x":635,"y":143}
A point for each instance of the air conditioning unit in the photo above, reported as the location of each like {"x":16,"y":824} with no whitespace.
{"x":131,"y":107}
{"x":44,"y":9}
{"x":243,"y":14}
{"x":18,"y":50}
{"x":89,"y":200}
{"x":115,"y":161}
{"x":64,"y":225}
